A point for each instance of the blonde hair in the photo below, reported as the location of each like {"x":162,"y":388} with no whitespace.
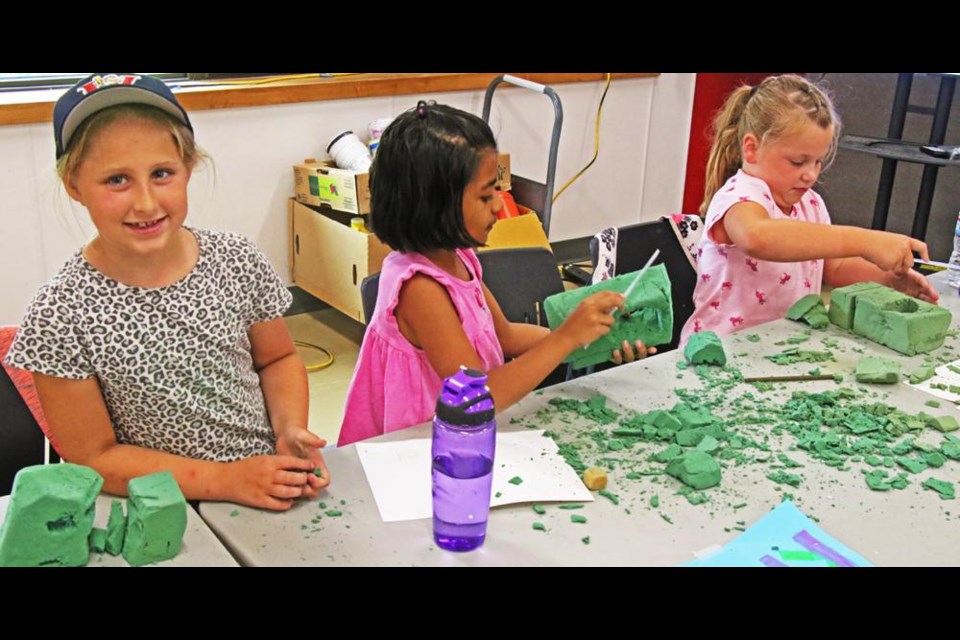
{"x":80,"y":143}
{"x":770,"y":110}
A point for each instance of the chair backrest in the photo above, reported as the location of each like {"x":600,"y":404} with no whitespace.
{"x":520,"y":279}
{"x":23,"y":441}
{"x":368,"y":295}
{"x":636,"y":243}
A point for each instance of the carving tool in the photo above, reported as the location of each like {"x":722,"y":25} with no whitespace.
{"x":636,"y":281}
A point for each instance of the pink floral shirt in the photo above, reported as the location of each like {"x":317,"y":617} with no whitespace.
{"x":735,"y":291}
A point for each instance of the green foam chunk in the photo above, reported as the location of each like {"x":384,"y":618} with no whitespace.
{"x":923,"y":372}
{"x":116,"y":528}
{"x":156,"y":519}
{"x":809,"y":309}
{"x":944,"y":488}
{"x":50,"y":516}
{"x":943,"y":424}
{"x":650,"y":309}
{"x":878,"y":370}
{"x":695,"y":469}
{"x":98,"y":540}
{"x":705,"y":347}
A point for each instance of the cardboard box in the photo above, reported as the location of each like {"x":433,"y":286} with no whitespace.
{"x":321,"y":183}
{"x":328,"y":259}
{"x":525,"y":230}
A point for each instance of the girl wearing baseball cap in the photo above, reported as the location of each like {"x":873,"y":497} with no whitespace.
{"x":159,"y":346}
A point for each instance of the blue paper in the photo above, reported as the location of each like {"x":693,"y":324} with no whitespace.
{"x":785,"y":537}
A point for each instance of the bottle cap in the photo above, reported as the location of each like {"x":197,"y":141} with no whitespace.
{"x":465,"y":399}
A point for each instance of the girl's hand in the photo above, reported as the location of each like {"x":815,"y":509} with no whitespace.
{"x":268,"y":482}
{"x":299,"y":442}
{"x":914,"y":284}
{"x":893,"y":251}
{"x":628,"y":353}
{"x":591,"y":319}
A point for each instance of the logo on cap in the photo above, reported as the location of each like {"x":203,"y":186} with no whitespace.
{"x":96,"y":82}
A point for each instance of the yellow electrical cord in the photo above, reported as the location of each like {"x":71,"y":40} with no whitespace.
{"x":596,"y":143}
{"x":316,"y":367}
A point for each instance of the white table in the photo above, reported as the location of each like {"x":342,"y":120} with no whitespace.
{"x":200,"y":546}
{"x":912,"y":526}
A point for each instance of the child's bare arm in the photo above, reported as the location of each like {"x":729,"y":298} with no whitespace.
{"x":283,"y":379}
{"x":515,"y":337}
{"x":839,"y":272}
{"x":747,"y":225}
{"x":428,"y":319}
{"x":78,"y":417}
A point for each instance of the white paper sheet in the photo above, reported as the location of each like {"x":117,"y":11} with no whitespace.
{"x":945,"y":376}
{"x":399,"y":474}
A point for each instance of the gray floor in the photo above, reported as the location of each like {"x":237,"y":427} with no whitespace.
{"x":341,"y":336}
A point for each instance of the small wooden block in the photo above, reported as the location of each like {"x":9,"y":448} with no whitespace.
{"x":595,"y":478}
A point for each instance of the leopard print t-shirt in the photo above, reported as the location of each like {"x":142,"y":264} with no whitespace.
{"x":174,"y":362}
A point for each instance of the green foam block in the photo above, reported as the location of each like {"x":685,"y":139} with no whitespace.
{"x":650,"y":308}
{"x":809,"y":309}
{"x":695,"y":469}
{"x":878,"y":371}
{"x":50,"y":516}
{"x":156,"y":519}
{"x":705,"y":347}
{"x":888,"y":317}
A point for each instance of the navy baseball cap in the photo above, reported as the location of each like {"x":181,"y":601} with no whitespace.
{"x":101,"y":90}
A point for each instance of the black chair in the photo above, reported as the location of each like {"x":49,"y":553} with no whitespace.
{"x":368,"y":295}
{"x":23,"y":442}
{"x":520,"y":279}
{"x":635,"y":244}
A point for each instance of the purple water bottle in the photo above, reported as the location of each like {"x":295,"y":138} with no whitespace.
{"x":464,"y":438}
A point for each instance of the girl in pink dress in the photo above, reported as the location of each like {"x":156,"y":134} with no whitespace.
{"x":768,"y":240}
{"x":433,"y":201}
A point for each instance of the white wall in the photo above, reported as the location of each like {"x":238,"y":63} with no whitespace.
{"x":638,"y":175}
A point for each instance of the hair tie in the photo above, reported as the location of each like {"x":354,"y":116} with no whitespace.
{"x":422,"y":109}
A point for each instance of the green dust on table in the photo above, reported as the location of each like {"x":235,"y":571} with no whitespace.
{"x":739,"y":528}
{"x":498,"y":494}
{"x":782,"y":477}
{"x":234,"y":513}
{"x":753,"y":337}
{"x":666,"y":518}
{"x":333,"y":513}
{"x":794,"y":355}
{"x":539,"y":526}
{"x":932,"y":403}
{"x":515,"y":480}
{"x":739,"y":506}
{"x":570,"y":506}
{"x":585,"y":539}
{"x":655,"y":501}
{"x":539,"y":509}
{"x":578,"y":519}
{"x":609,"y":495}
{"x":322,"y":505}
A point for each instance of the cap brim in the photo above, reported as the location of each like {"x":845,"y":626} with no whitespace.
{"x":111,"y":96}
